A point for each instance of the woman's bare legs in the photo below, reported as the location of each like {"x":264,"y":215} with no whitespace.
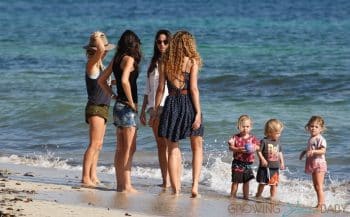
{"x":97,"y":128}
{"x":126,"y":147}
{"x":174,"y":166}
{"x":197,"y":159}
{"x":162,"y":154}
{"x":118,"y":163}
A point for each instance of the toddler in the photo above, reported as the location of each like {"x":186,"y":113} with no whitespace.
{"x":316,"y":164}
{"x":243,"y":146}
{"x":271,"y":158}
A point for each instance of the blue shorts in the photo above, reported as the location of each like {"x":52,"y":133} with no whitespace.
{"x":123,"y":115}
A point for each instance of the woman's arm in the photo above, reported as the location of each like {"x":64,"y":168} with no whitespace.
{"x":160,"y":89}
{"x":195,"y":95}
{"x":143,"y":118}
{"x":92,"y":64}
{"x":159,"y":94}
{"x":102,"y":81}
{"x":127,"y":65}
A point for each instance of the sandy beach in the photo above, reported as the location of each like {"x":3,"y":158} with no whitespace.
{"x":33,"y":191}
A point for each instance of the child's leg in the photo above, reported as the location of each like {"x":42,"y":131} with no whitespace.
{"x":273,"y":191}
{"x":246,"y":190}
{"x":234,"y":187}
{"x":318,"y":178}
{"x":260,"y":190}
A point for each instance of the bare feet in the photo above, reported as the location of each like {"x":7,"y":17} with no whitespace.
{"x":96,"y":181}
{"x":319,"y":206}
{"x":176,"y":193}
{"x":164,"y":185}
{"x":88,"y":184}
{"x":194,"y":190}
{"x":233,"y":196}
{"x":129,"y":190}
{"x":195,"y":195}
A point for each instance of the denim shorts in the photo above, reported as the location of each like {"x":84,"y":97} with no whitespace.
{"x":123,"y":115}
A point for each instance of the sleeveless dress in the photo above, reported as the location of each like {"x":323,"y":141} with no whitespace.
{"x":178,"y":113}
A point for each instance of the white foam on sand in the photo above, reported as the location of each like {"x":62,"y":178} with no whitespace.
{"x":215,"y":179}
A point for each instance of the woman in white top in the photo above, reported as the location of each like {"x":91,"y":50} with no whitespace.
{"x":160,"y":45}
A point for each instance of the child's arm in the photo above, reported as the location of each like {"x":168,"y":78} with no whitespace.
{"x":263,"y":161}
{"x":316,"y":152}
{"x":232,"y":147}
{"x":231,"y":144}
{"x":282,"y":167}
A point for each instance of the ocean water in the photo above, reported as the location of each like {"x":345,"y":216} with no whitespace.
{"x":269,"y":59}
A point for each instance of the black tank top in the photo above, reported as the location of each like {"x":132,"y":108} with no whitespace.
{"x":118,"y":73}
{"x":96,"y":95}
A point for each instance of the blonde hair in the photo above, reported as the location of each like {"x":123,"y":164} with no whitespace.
{"x":181,"y":45}
{"x":242,"y":119}
{"x":316,"y":119}
{"x":273,"y":126}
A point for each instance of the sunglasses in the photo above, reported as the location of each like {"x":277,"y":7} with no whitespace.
{"x":165,"y":42}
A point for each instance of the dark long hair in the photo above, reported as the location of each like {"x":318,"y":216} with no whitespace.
{"x":129,"y":44}
{"x":156,"y":53}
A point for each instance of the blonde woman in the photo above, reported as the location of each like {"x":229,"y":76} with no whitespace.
{"x":96,"y":110}
{"x":181,"y":116}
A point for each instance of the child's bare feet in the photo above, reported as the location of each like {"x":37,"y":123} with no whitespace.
{"x":319,"y":206}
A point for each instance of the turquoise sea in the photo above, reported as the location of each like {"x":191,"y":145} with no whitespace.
{"x":269,"y":59}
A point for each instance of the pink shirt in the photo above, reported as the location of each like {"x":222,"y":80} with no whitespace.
{"x":316,"y":162}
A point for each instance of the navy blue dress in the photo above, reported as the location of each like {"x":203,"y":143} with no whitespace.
{"x":178,"y":114}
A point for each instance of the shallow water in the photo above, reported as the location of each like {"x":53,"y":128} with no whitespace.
{"x":287,"y":60}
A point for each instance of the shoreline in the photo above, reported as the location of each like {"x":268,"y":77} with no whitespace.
{"x":25,"y":191}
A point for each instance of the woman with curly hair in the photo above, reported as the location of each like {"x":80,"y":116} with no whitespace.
{"x":181,"y":116}
{"x":125,"y":67}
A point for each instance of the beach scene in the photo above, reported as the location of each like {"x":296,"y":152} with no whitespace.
{"x":288,"y":60}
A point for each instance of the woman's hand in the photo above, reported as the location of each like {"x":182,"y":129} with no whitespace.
{"x":143,"y":118}
{"x":154,"y":115}
{"x":133,"y":106}
{"x":197,"y":122}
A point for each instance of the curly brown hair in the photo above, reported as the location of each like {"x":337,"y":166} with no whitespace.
{"x":318,"y":120}
{"x":182,"y":45}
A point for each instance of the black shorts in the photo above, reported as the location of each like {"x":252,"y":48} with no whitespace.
{"x":241,"y":172}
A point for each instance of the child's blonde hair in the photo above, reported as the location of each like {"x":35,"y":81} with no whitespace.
{"x":273,"y":126}
{"x":316,"y":119}
{"x":242,"y":119}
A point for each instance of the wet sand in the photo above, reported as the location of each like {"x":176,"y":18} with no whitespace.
{"x":31,"y":191}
